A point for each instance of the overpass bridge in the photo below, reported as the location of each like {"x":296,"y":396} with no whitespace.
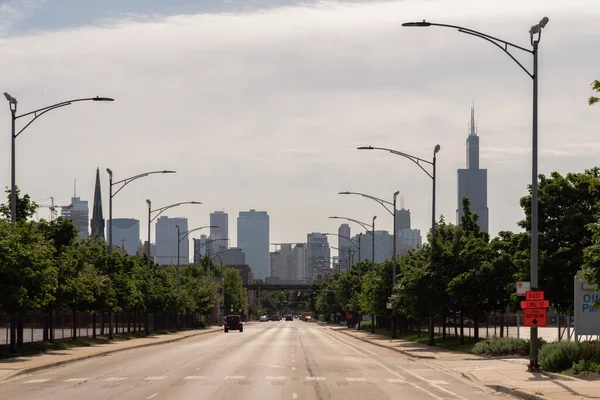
{"x":279,"y":286}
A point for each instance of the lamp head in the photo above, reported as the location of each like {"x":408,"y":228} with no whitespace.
{"x":422,"y":24}
{"x":167,"y":171}
{"x":148,"y":201}
{"x":10,"y":99}
{"x":365,"y":148}
{"x":436,"y":149}
{"x":109,"y":172}
{"x":344,"y":192}
{"x":396,"y":193}
{"x":102,"y":99}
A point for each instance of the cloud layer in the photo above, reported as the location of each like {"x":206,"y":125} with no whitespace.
{"x":265,"y":109}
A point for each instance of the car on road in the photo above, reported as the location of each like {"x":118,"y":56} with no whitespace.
{"x":264,"y":318}
{"x":233,"y":322}
{"x":289,"y":318}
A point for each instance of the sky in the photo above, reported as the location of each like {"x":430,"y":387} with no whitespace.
{"x":262,"y":104}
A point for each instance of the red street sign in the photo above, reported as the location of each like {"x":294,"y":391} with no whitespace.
{"x":535,"y":304}
{"x":537,"y":295}
{"x":533,"y":317}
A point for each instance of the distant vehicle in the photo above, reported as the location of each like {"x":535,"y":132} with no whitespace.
{"x":264,"y":318}
{"x":233,"y":322}
{"x":289,"y":318}
{"x":275,"y":318}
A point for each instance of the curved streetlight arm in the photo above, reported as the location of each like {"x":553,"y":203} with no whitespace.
{"x":41,"y":111}
{"x":383,"y":203}
{"x":365,"y":226}
{"x":187,"y":233}
{"x":205,"y":243}
{"x":414,"y":159}
{"x":501,"y":44}
{"x":124,"y":182}
{"x":163,"y":209}
{"x":352,"y":241}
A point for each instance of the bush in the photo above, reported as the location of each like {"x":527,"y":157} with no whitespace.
{"x":559,"y":356}
{"x":505,"y":346}
{"x":366,"y":325}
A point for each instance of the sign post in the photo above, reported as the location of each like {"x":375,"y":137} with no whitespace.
{"x":535,"y":314}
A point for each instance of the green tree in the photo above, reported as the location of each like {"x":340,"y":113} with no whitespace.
{"x":236,"y":296}
{"x":25,"y":207}
{"x":567,"y":205}
{"x":28,"y":275}
{"x":596,"y":88}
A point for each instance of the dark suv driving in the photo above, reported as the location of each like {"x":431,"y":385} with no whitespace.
{"x":233,"y":322}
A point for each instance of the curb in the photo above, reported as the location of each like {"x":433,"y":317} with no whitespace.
{"x":521,"y":394}
{"x":560,"y":376}
{"x":100,"y":354}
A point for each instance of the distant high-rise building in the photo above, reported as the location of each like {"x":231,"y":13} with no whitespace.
{"x":200,"y":248}
{"x":383,"y":246}
{"x":253,"y":239}
{"x":166,"y":241}
{"x":318,"y":254}
{"x":402,"y":219}
{"x":408,"y":239}
{"x":80,"y":215}
{"x":126,"y":234}
{"x":97,"y":222}
{"x":344,"y":246}
{"x":233,"y":256}
{"x":220,"y":234}
{"x":288,"y":263}
{"x":472,"y":181}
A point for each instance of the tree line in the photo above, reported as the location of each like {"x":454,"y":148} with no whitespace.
{"x":44,"y":267}
{"x":461,"y":270}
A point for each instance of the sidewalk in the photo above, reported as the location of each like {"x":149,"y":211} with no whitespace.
{"x":503,"y":375}
{"x":20,"y":365}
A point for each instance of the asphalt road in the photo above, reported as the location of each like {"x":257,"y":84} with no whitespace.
{"x":270,"y":360}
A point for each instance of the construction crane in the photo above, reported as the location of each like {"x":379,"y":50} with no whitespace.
{"x":53,"y":207}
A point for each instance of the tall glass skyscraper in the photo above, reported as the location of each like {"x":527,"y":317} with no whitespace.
{"x":253,"y":239}
{"x":472,"y":181}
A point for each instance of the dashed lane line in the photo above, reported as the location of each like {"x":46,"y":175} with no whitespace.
{"x":37,"y":380}
{"x":194,"y":377}
{"x":155,"y":378}
{"x":115,"y":378}
{"x":76,"y":380}
{"x":152,"y":396}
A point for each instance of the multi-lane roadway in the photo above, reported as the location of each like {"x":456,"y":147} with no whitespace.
{"x":270,"y":360}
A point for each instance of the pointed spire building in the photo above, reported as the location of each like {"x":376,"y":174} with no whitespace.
{"x":97,"y":216}
{"x":472,"y":181}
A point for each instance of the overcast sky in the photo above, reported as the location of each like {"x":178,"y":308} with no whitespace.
{"x":261,"y":104}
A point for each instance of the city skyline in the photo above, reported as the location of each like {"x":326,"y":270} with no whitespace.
{"x":312,"y":119}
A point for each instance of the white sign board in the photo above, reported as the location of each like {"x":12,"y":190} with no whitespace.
{"x":523,"y":287}
{"x":587,"y":316}
{"x":388,"y":306}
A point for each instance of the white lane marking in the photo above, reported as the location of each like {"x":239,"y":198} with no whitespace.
{"x":155,"y":378}
{"x":351,"y":346}
{"x":115,"y":378}
{"x":315,"y":378}
{"x":194,"y":377}
{"x":152,"y":396}
{"x":395,"y":380}
{"x":356,"y":379}
{"x":293,"y":360}
{"x":294,"y":396}
{"x":293,"y":368}
{"x":438,"y":382}
{"x":235,"y":377}
{"x":271,"y":378}
{"x":37,"y":380}
{"x":76,"y":380}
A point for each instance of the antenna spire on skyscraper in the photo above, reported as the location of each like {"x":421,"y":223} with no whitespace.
{"x":473,"y":128}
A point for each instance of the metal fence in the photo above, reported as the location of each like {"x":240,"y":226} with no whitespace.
{"x":85,"y":324}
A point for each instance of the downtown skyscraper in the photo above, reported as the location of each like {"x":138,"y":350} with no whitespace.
{"x":253,"y":239}
{"x":472,"y":181}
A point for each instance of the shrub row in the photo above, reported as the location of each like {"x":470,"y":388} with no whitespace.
{"x":560,"y":356}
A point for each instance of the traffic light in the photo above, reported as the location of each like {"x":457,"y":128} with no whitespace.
{"x":221,"y":305}
{"x":282,"y":291}
{"x":315,"y":292}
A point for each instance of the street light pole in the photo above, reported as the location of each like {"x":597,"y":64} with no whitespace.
{"x":432,"y":175}
{"x":372,"y":232}
{"x":123,"y":183}
{"x":12,"y":103}
{"x":180,"y":239}
{"x":373,"y":271}
{"x":385,"y":205}
{"x":150,"y":219}
{"x":535,"y":34}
